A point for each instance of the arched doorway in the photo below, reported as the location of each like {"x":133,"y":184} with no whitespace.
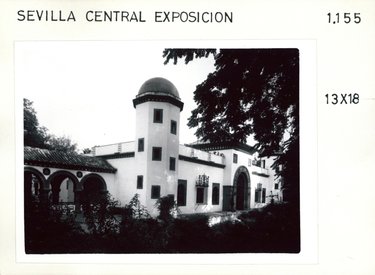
{"x":35,"y":186}
{"x":63,"y":186}
{"x":93,"y":187}
{"x":241,"y":189}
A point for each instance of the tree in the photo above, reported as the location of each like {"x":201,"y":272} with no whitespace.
{"x":62,"y":143}
{"x":251,"y":92}
{"x":87,"y":151}
{"x":34,"y":135}
{"x":38,"y":136}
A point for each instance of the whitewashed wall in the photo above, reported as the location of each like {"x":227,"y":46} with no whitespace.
{"x":125,"y":180}
{"x":189,"y":171}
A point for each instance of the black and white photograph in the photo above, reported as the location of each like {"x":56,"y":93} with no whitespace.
{"x":135,"y":148}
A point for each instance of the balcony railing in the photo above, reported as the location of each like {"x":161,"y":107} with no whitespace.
{"x":122,"y":147}
{"x":202,"y":181}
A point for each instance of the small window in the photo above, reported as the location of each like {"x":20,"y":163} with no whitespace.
{"x":173,"y":127}
{"x":155,"y":191}
{"x":263,"y":164}
{"x":172,"y":164}
{"x":235,"y":158}
{"x":158,"y":115}
{"x":215,"y":193}
{"x":141,"y":144}
{"x":181,"y":193}
{"x":139,"y":182}
{"x":156,"y":153}
{"x":276,"y":186}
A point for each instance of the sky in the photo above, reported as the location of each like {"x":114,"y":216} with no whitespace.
{"x":84,"y":90}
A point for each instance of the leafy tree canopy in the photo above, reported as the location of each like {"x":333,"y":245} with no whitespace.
{"x":251,"y":92}
{"x":34,"y":135}
{"x":62,"y":143}
{"x":38,"y":136}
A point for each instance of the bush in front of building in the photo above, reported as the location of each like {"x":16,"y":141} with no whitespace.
{"x":273,"y":228}
{"x":138,"y":231}
{"x":98,"y":213}
{"x":134,"y":209}
{"x":167,"y":207}
{"x":190,"y":234}
{"x":49,"y":229}
{"x":230,"y":236}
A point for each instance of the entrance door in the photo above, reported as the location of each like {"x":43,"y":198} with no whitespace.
{"x":240,"y":198}
{"x":227,"y":198}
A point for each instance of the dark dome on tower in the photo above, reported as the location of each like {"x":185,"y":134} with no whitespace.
{"x":158,"y":89}
{"x":158,"y":86}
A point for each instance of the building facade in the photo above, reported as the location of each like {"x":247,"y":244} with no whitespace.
{"x":201,"y":177}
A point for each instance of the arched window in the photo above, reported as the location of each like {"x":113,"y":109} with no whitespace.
{"x":34,"y":184}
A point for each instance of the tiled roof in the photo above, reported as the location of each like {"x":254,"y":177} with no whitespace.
{"x":57,"y":159}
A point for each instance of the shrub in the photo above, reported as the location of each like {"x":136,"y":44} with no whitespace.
{"x":190,"y":233}
{"x":273,"y":228}
{"x":49,"y":229}
{"x":99,"y":217}
{"x":167,"y":207}
{"x":135,"y":209}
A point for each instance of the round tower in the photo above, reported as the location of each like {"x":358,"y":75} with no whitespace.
{"x":158,"y":108}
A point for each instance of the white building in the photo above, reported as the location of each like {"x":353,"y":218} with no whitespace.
{"x":201,"y":177}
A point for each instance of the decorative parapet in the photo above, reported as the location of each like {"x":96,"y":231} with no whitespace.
{"x":199,"y":155}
